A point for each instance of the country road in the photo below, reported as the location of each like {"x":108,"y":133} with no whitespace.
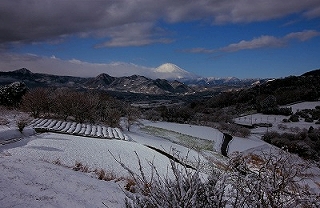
{"x":224,"y":147}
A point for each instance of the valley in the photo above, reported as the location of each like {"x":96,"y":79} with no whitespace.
{"x":107,"y":144}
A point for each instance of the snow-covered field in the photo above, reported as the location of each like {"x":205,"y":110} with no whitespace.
{"x":30,"y":179}
{"x":303,"y":105}
{"x":30,"y":182}
{"x":275,"y":120}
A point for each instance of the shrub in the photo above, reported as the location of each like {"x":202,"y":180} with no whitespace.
{"x":4,"y":121}
{"x":301,"y":135}
{"x":80,"y":167}
{"x":21,"y":123}
{"x":310,"y":120}
{"x":106,"y":176}
{"x":313,"y":136}
{"x":294,"y":118}
{"x":57,"y":162}
{"x":274,"y":183}
{"x":270,"y":135}
{"x":282,"y":126}
{"x":285,"y":120}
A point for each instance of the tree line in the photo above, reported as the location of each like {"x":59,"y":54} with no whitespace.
{"x":80,"y":106}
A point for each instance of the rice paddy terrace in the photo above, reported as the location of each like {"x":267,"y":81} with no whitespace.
{"x":79,"y":129}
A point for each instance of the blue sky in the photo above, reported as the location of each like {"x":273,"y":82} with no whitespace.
{"x":219,"y":38}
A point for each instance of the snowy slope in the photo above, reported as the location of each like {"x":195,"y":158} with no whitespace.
{"x":30,"y":182}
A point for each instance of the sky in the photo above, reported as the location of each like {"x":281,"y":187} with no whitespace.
{"x":210,"y":38}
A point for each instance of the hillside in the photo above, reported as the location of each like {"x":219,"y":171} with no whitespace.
{"x":283,"y":91}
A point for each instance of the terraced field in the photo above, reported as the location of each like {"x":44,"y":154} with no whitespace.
{"x":74,"y":128}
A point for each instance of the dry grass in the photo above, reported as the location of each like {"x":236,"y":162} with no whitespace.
{"x":130,"y":185}
{"x":255,"y":160}
{"x":4,"y":121}
{"x":80,"y":167}
{"x":57,"y":162}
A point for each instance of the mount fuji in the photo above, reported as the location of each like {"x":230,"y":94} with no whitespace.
{"x":171,"y":71}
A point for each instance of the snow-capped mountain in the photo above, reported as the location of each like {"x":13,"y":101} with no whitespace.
{"x":171,"y":71}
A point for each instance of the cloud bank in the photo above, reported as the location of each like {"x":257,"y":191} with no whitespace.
{"x":73,"y":67}
{"x":131,"y":23}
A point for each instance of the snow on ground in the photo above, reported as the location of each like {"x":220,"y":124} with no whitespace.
{"x":167,"y":146}
{"x":239,"y":144}
{"x":9,"y":133}
{"x":202,"y":132}
{"x":95,"y":153}
{"x":29,"y":179}
{"x":208,"y":133}
{"x":303,"y":105}
{"x":30,"y":182}
{"x":275,"y":120}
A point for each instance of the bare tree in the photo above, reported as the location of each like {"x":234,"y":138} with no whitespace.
{"x":37,"y":101}
{"x":64,"y":99}
{"x":132,"y":114}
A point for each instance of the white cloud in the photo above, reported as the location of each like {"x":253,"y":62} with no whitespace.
{"x":261,"y":42}
{"x":264,"y":41}
{"x":303,"y":36}
{"x":199,"y":50}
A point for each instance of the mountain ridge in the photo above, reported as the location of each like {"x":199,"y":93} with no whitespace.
{"x":134,"y":83}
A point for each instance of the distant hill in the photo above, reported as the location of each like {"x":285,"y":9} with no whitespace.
{"x":135,"y":83}
{"x":40,"y":80}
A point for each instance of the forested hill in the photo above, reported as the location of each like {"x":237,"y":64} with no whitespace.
{"x":283,"y":91}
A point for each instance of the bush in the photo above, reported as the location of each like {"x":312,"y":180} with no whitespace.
{"x":285,"y":120}
{"x":309,"y":120}
{"x":313,"y":136}
{"x":270,"y":135}
{"x":4,"y":121}
{"x":10,"y":95}
{"x":301,"y":135}
{"x":21,"y":123}
{"x":294,"y":118}
{"x":274,"y":183}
